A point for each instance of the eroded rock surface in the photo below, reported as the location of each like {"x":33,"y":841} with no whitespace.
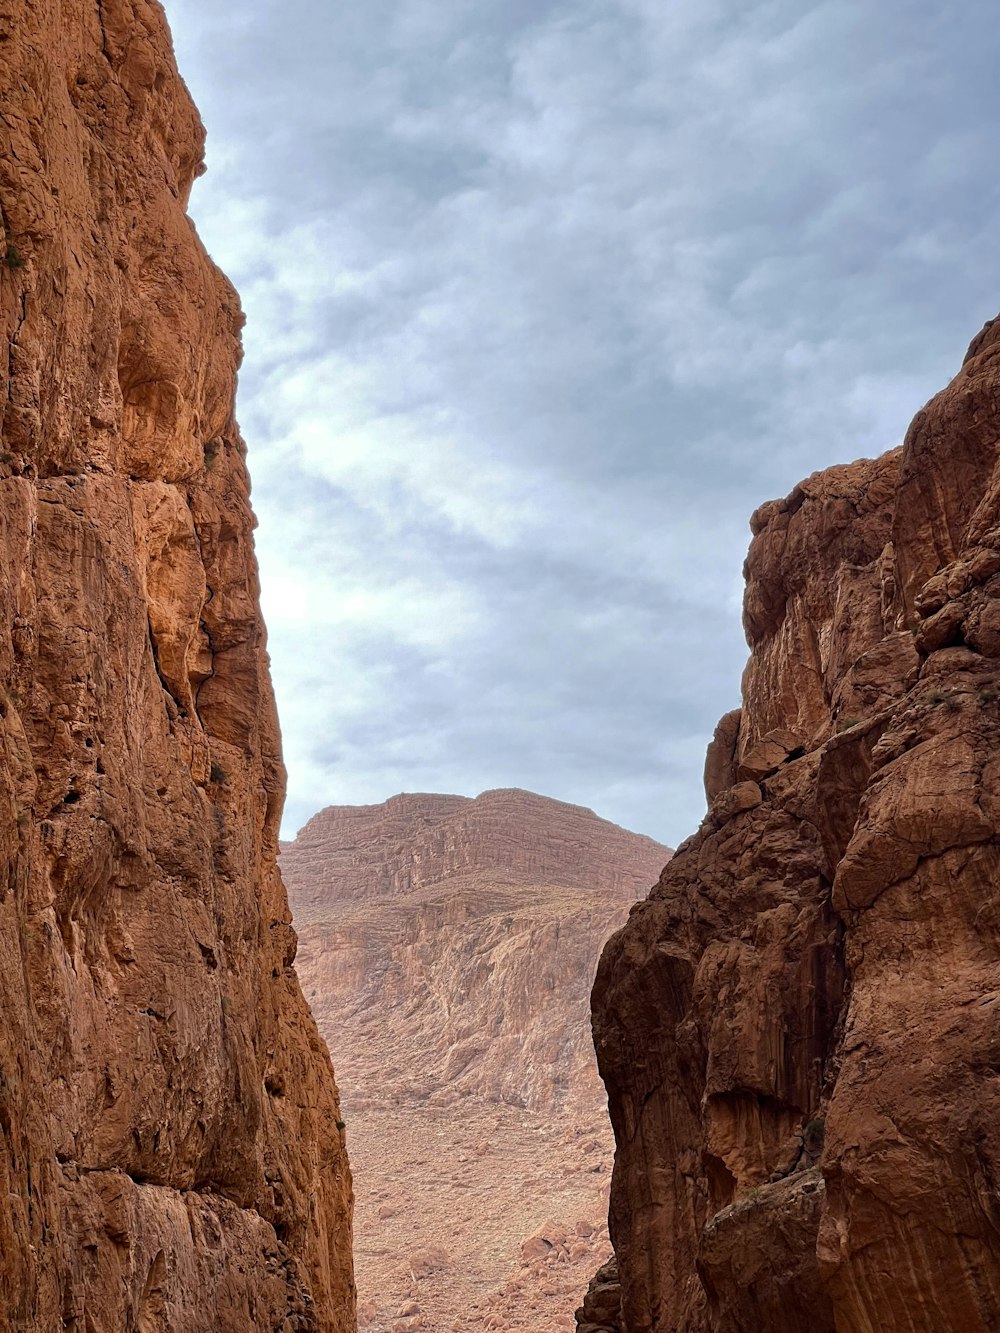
{"x":448,"y":947}
{"x":469,"y":930}
{"x":169,"y":1150}
{"x":799,"y":1029}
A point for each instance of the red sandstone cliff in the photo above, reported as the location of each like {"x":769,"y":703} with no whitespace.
{"x":170,"y":1151}
{"x":798,"y":1031}
{"x":448,"y":947}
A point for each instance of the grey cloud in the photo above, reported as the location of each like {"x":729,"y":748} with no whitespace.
{"x":544,"y":299}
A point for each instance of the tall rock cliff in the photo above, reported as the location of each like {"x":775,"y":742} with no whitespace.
{"x":168,"y":1117}
{"x":799,"y":1029}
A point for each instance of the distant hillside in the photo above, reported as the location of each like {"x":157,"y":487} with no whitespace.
{"x":468,"y":932}
{"x":448,"y":946}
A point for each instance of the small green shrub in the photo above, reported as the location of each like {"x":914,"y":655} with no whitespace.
{"x":934,"y":697}
{"x":341,"y":1124}
{"x":13,"y":257}
{"x":218,"y":774}
{"x":848,"y":723}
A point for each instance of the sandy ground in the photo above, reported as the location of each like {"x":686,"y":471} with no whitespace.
{"x":446,"y":1198}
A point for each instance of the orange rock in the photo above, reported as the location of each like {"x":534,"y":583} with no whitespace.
{"x":797,"y":1029}
{"x":769,"y":753}
{"x":535,"y":1247}
{"x":734,"y":801}
{"x":720,"y":761}
{"x":171,"y":1156}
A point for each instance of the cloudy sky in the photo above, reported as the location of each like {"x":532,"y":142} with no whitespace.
{"x":544,"y":297}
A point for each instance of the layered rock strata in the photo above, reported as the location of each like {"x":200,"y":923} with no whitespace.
{"x":448,"y":947}
{"x":798,"y":1030}
{"x":469,"y":930}
{"x":170,"y":1151}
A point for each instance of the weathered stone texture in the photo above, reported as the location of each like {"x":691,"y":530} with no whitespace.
{"x":798,"y":1030}
{"x":470,"y":931}
{"x":602,"y":1306}
{"x":170,"y":1154}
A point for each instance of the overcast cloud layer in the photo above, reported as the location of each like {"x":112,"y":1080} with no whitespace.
{"x":544,"y":298}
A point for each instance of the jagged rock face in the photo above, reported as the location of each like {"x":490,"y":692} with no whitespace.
{"x":416,"y":841}
{"x":798,"y":1029}
{"x":448,"y":947}
{"x":602,"y":1305}
{"x":171,"y":1157}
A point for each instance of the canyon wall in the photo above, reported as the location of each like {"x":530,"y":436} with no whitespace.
{"x":799,"y":1029}
{"x":448,"y":947}
{"x":171,"y":1157}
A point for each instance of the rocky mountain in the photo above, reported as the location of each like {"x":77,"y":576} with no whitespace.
{"x":171,"y":1154}
{"x":798,"y":1029}
{"x":473,"y":928}
{"x":448,"y":947}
